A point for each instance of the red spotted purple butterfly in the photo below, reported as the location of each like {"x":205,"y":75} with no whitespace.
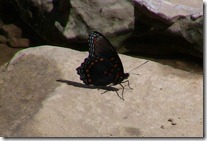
{"x":103,"y":65}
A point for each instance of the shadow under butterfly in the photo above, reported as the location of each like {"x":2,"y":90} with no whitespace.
{"x":103,"y":66}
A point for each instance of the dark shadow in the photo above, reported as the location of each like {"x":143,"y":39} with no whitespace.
{"x":76,"y":84}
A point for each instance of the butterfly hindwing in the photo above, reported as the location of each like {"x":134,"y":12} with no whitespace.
{"x":96,"y":71}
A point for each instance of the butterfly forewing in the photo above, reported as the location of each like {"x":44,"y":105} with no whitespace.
{"x":100,"y":46}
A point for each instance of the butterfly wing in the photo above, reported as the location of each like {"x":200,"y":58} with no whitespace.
{"x":96,"y":71}
{"x":103,"y":65}
{"x":100,"y":46}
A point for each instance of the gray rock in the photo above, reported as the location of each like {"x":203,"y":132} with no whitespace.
{"x":103,"y":16}
{"x":34,"y":104}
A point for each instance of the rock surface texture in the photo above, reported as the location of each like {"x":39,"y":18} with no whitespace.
{"x":164,"y":102}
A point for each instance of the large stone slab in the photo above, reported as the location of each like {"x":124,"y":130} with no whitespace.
{"x":164,"y":102}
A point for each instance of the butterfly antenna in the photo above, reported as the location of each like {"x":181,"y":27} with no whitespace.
{"x":139,"y":66}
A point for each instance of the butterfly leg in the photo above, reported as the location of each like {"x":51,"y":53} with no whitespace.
{"x":121,"y":97}
{"x":122,"y":93}
{"x":128,"y":84}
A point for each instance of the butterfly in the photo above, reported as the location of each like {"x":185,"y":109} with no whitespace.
{"x":103,"y":66}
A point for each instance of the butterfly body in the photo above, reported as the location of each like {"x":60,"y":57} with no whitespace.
{"x":103,"y":65}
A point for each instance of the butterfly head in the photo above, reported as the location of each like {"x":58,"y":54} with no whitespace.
{"x":126,"y":75}
{"x":121,"y":78}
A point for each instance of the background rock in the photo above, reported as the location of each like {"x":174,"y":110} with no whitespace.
{"x":157,"y":28}
{"x":12,"y":30}
{"x":19,"y":42}
{"x":166,"y":10}
{"x":73,"y":20}
{"x":11,"y":37}
{"x":191,"y":29}
{"x":3,"y":39}
{"x":34,"y":104}
{"x":154,"y":20}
